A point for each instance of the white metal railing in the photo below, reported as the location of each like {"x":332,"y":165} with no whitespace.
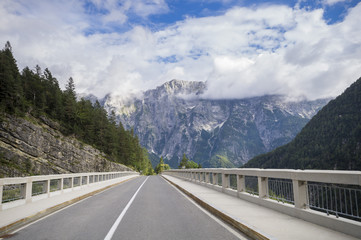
{"x":332,"y":192}
{"x":26,"y":188}
{"x":338,"y":200}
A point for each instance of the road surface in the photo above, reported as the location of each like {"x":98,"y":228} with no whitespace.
{"x":142,"y":208}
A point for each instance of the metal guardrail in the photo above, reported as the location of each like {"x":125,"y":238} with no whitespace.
{"x":332,"y":192}
{"x":15,"y":189}
{"x":338,"y":200}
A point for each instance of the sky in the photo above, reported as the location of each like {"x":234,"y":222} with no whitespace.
{"x":241,"y":48}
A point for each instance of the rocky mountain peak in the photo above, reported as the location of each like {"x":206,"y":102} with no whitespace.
{"x":175,"y":87}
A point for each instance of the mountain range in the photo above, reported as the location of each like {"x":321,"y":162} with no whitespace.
{"x":331,"y":140}
{"x":174,"y":119}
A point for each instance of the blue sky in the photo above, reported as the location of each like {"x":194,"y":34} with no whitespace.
{"x":240,"y":48}
{"x":178,"y":10}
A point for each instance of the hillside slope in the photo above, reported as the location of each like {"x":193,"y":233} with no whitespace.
{"x":331,"y":140}
{"x":36,"y":147}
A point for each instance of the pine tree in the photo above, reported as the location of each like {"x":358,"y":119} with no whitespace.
{"x":183,"y":162}
{"x":53,"y":96}
{"x":69,"y":103}
{"x":10,"y":84}
{"x":70,"y":89}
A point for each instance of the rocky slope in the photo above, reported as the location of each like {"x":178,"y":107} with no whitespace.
{"x":174,"y":119}
{"x":33,"y":147}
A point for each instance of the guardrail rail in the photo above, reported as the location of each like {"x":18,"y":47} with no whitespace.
{"x":325,"y":197}
{"x":23,"y":190}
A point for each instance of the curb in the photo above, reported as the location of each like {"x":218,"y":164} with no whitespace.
{"x":228,"y":219}
{"x":6,"y":230}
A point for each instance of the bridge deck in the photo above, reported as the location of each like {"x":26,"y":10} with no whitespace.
{"x":269,"y":223}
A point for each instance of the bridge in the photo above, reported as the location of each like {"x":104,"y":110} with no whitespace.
{"x":183,"y":204}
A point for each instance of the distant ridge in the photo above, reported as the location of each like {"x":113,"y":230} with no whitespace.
{"x":331,"y":139}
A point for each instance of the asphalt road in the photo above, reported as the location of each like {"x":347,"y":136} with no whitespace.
{"x":143,"y":208}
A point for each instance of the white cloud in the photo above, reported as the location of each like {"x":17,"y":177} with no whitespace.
{"x":117,"y":11}
{"x":332,"y":2}
{"x":245,"y":52}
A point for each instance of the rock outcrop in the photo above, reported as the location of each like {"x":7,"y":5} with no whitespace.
{"x":36,"y":147}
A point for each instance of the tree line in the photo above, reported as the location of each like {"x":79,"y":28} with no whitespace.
{"x":184,"y":163}
{"x":37,"y":93}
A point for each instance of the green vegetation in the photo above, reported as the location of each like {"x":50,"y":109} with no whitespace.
{"x":186,"y":163}
{"x":12,"y":192}
{"x":221,"y":161}
{"x":161,"y":166}
{"x":37,"y":93}
{"x":331,"y":140}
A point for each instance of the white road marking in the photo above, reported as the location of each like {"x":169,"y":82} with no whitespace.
{"x":116,"y":223}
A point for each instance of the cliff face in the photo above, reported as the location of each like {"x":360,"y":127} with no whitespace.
{"x":36,"y":147}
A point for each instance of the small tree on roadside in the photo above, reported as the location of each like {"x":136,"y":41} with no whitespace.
{"x":161,"y":166}
{"x":186,"y":163}
{"x":183,"y":162}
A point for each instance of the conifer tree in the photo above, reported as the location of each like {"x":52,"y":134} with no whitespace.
{"x":69,"y":104}
{"x":183,"y":162}
{"x":10,"y":88}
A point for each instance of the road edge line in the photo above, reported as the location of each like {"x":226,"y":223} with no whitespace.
{"x":228,"y":219}
{"x":5,"y":230}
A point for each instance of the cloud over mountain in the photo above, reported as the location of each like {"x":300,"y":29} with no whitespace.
{"x":241,"y":52}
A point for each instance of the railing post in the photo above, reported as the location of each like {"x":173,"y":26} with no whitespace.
{"x":72,"y":183}
{"x":1,"y":195}
{"x":300,"y":193}
{"x":28,"y":190}
{"x":215,"y":178}
{"x":207,"y":177}
{"x":62,"y":184}
{"x":262,"y":187}
{"x":48,"y":187}
{"x":225,"y":181}
{"x":241,"y":184}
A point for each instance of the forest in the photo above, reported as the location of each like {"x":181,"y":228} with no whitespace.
{"x":37,"y":93}
{"x":331,"y":140}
